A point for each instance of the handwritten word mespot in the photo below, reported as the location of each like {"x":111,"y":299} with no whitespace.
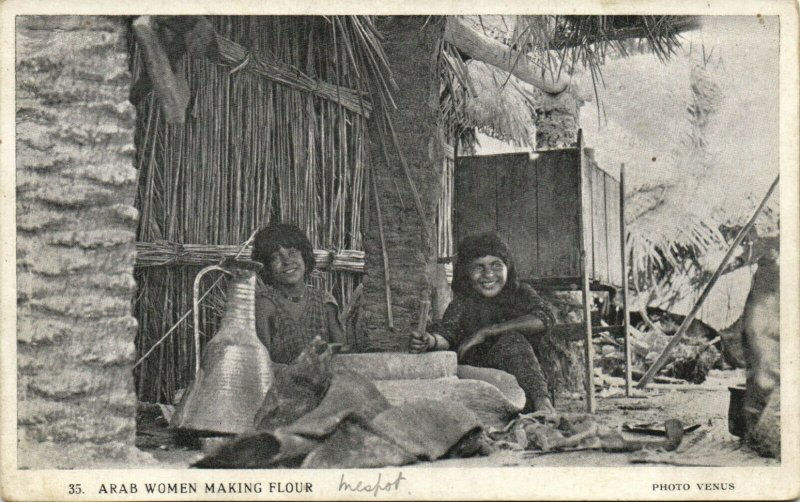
{"x":361,"y":486}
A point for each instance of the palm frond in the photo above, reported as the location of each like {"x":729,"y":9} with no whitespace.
{"x":503,"y":106}
{"x":660,"y":240}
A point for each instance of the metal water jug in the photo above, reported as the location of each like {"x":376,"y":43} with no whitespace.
{"x":235,"y":372}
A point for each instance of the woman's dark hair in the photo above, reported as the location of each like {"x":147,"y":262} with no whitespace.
{"x":272,"y":237}
{"x":478,"y":246}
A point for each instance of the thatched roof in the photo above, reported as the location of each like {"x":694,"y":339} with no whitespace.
{"x":587,"y":36}
{"x":660,"y":32}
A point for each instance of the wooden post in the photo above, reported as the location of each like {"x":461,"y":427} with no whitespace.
{"x":676,"y":338}
{"x":484,"y":48}
{"x":172,"y":90}
{"x":424,"y":308}
{"x":626,"y":319}
{"x":386,"y":283}
{"x":587,"y":312}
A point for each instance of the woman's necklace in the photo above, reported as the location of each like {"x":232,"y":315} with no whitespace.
{"x":294,"y":298}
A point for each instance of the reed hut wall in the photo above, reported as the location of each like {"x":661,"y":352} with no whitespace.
{"x":251,"y":151}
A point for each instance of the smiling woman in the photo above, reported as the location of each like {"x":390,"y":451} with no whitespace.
{"x":289,"y":312}
{"x":488,"y":275}
{"x":491,"y":316}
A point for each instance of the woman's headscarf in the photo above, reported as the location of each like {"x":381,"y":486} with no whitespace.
{"x":478,"y":246}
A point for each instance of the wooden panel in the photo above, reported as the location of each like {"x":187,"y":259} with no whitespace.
{"x":586,"y":208}
{"x":599,"y":234}
{"x":475,"y":196}
{"x":612,"y":224}
{"x":558,"y":194}
{"x":517,"y":220}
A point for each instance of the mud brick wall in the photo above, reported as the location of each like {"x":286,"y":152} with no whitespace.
{"x":410,"y":45}
{"x":75,"y":242}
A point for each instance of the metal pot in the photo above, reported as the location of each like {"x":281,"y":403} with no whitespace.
{"x":736,"y":419}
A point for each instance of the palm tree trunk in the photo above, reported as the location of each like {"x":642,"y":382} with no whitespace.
{"x":406,"y":159}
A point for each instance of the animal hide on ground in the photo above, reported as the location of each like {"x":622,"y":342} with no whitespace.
{"x":317,"y":418}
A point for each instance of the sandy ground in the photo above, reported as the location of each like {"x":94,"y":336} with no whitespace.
{"x":705,"y":404}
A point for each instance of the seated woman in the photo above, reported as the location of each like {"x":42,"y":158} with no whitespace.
{"x":289,"y":312}
{"x":489,"y":316}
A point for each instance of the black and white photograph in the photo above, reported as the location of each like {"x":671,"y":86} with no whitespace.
{"x":257,"y":255}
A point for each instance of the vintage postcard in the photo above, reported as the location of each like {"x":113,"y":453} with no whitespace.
{"x":399,"y":251}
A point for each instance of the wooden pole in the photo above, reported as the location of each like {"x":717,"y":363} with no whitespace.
{"x":422,"y":322}
{"x":389,"y":316}
{"x":587,"y":341}
{"x":172,"y":90}
{"x":626,"y":319}
{"x":591,"y":406}
{"x":689,"y":318}
{"x":484,"y":48}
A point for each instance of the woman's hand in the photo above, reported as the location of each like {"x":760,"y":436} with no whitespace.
{"x":421,"y":342}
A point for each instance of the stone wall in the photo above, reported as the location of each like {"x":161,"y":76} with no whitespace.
{"x":75,"y":242}
{"x":410,"y":45}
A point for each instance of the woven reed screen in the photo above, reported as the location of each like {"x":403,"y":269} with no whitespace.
{"x":251,"y":151}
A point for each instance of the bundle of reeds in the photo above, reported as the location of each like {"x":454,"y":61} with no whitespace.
{"x":350,"y":260}
{"x":252,"y":150}
{"x":161,"y":253}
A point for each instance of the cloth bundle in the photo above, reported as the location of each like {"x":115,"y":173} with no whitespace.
{"x":316,"y":417}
